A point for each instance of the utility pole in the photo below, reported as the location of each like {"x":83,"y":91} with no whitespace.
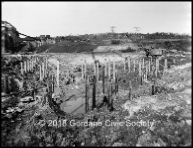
{"x":112,"y":29}
{"x":137,"y":29}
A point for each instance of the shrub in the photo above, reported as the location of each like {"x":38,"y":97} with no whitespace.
{"x":116,"y":42}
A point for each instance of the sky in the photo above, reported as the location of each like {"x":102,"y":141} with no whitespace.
{"x":77,"y":18}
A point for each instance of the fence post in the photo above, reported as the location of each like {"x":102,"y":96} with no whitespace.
{"x":94,"y":93}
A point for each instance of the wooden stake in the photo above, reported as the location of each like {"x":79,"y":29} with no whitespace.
{"x":146,"y":72}
{"x":140,"y":74}
{"x":82,"y":70}
{"x":154,"y":87}
{"x":103,"y":79}
{"x":124,"y":64}
{"x":85,"y":72}
{"x":139,"y":67}
{"x":94,"y":66}
{"x":109,"y":70}
{"x":26,"y":66}
{"x":165,"y":65}
{"x":97,"y":69}
{"x":158,"y":64}
{"x":156,"y":67}
{"x":53,"y":80}
{"x":94,"y":93}
{"x":129,"y":65}
{"x":134,"y":65}
{"x":149,"y":69}
{"x":109,"y":95}
{"x":143,"y":63}
{"x":111,"y":98}
{"x":21,"y":63}
{"x":43,"y":70}
{"x":106,"y":63}
{"x":46,"y":63}
{"x":130,"y":89}
{"x":6,"y":85}
{"x":32,"y":65}
{"x":58,"y":73}
{"x":40,"y":73}
{"x":114,"y":70}
{"x":116,"y":81}
{"x":86,"y":104}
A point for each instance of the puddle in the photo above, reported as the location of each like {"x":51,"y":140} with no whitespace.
{"x":74,"y":106}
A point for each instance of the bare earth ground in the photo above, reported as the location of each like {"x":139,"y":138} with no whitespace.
{"x":166,"y":115}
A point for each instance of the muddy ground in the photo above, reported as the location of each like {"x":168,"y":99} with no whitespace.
{"x":162,"y":119}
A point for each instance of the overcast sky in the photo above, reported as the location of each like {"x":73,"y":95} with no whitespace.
{"x":64,"y":18}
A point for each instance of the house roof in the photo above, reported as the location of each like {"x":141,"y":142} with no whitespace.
{"x":30,"y":39}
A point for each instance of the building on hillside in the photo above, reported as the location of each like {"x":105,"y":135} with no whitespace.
{"x":47,"y":36}
{"x":31,"y":43}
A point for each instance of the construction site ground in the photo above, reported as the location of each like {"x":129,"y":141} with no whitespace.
{"x":166,"y":115}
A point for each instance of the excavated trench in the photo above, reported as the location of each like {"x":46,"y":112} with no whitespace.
{"x":68,"y":103}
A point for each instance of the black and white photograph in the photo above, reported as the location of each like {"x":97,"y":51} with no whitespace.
{"x":94,"y":73}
